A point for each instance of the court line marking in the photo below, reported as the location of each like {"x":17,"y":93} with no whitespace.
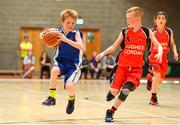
{"x":142,"y":113}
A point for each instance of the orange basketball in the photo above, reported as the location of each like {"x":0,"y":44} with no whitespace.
{"x":50,"y":37}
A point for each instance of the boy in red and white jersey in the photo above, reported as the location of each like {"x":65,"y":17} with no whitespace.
{"x":129,"y":66}
{"x":164,"y":35}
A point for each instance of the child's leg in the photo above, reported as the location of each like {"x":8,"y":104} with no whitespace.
{"x":71,"y":78}
{"x":155,"y":84}
{"x":29,"y":71}
{"x":116,"y":83}
{"x":111,"y":94}
{"x":53,"y":84}
{"x":132,"y":80}
{"x":70,"y":88}
{"x":129,"y":86}
{"x":149,"y":78}
{"x":53,"y":78}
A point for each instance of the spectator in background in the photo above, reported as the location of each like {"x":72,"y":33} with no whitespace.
{"x":94,"y":66}
{"x":109,"y":62}
{"x":25,"y":46}
{"x":28,"y":63}
{"x":85,"y":66}
{"x":45,"y":62}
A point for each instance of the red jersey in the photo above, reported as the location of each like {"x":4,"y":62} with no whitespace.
{"x":132,"y":54}
{"x":163,"y":38}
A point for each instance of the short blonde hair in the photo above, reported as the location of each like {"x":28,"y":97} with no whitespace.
{"x":68,"y":13}
{"x":138,"y":12}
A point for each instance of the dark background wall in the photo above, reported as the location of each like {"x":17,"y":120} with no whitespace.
{"x":107,"y":15}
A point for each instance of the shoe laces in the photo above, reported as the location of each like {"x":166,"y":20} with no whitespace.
{"x":109,"y":114}
{"x":50,"y":99}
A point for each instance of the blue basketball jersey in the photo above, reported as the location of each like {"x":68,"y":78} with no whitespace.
{"x":69,"y":58}
{"x":67,"y":52}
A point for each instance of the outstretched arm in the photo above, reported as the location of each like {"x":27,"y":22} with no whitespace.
{"x":111,"y":48}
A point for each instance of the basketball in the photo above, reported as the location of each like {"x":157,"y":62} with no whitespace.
{"x":50,"y":37}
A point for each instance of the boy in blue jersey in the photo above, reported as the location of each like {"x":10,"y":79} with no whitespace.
{"x":68,"y":59}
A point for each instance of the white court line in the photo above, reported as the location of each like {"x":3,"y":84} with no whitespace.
{"x":142,"y":113}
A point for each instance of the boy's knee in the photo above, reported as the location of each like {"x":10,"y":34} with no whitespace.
{"x":69,"y":86}
{"x":114,"y":91}
{"x":55,"y":71}
{"x":129,"y":86}
{"x":109,"y":96}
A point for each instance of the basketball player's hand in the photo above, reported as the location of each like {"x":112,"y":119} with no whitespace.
{"x":99,"y":56}
{"x":176,"y":56}
{"x":41,"y":35}
{"x":62,"y":37}
{"x":158,"y":57}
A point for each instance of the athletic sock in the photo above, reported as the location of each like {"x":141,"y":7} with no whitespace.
{"x":52,"y":93}
{"x":154,"y":95}
{"x":113,"y":109}
{"x":71,"y":97}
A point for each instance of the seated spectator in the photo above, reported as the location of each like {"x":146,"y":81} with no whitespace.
{"x":45,"y":62}
{"x":25,"y":46}
{"x":84,"y":67}
{"x":95,"y":67}
{"x":109,"y":62}
{"x":28,"y":63}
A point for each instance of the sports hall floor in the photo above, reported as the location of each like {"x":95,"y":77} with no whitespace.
{"x":20,"y":104}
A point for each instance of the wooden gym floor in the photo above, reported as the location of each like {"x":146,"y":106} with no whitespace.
{"x":20,"y":104}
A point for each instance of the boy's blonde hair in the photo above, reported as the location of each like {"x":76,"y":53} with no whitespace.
{"x":68,"y":13}
{"x":138,"y":12}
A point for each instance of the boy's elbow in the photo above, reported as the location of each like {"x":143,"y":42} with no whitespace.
{"x":81,"y":48}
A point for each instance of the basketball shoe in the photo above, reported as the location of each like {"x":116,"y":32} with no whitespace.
{"x":70,"y":106}
{"x":49,"y":101}
{"x":109,"y":116}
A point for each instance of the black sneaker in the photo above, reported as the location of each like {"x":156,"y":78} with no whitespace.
{"x":109,"y":96}
{"x":109,"y":116}
{"x":70,"y":106}
{"x":154,"y":101}
{"x":149,"y":82}
{"x":49,"y":101}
